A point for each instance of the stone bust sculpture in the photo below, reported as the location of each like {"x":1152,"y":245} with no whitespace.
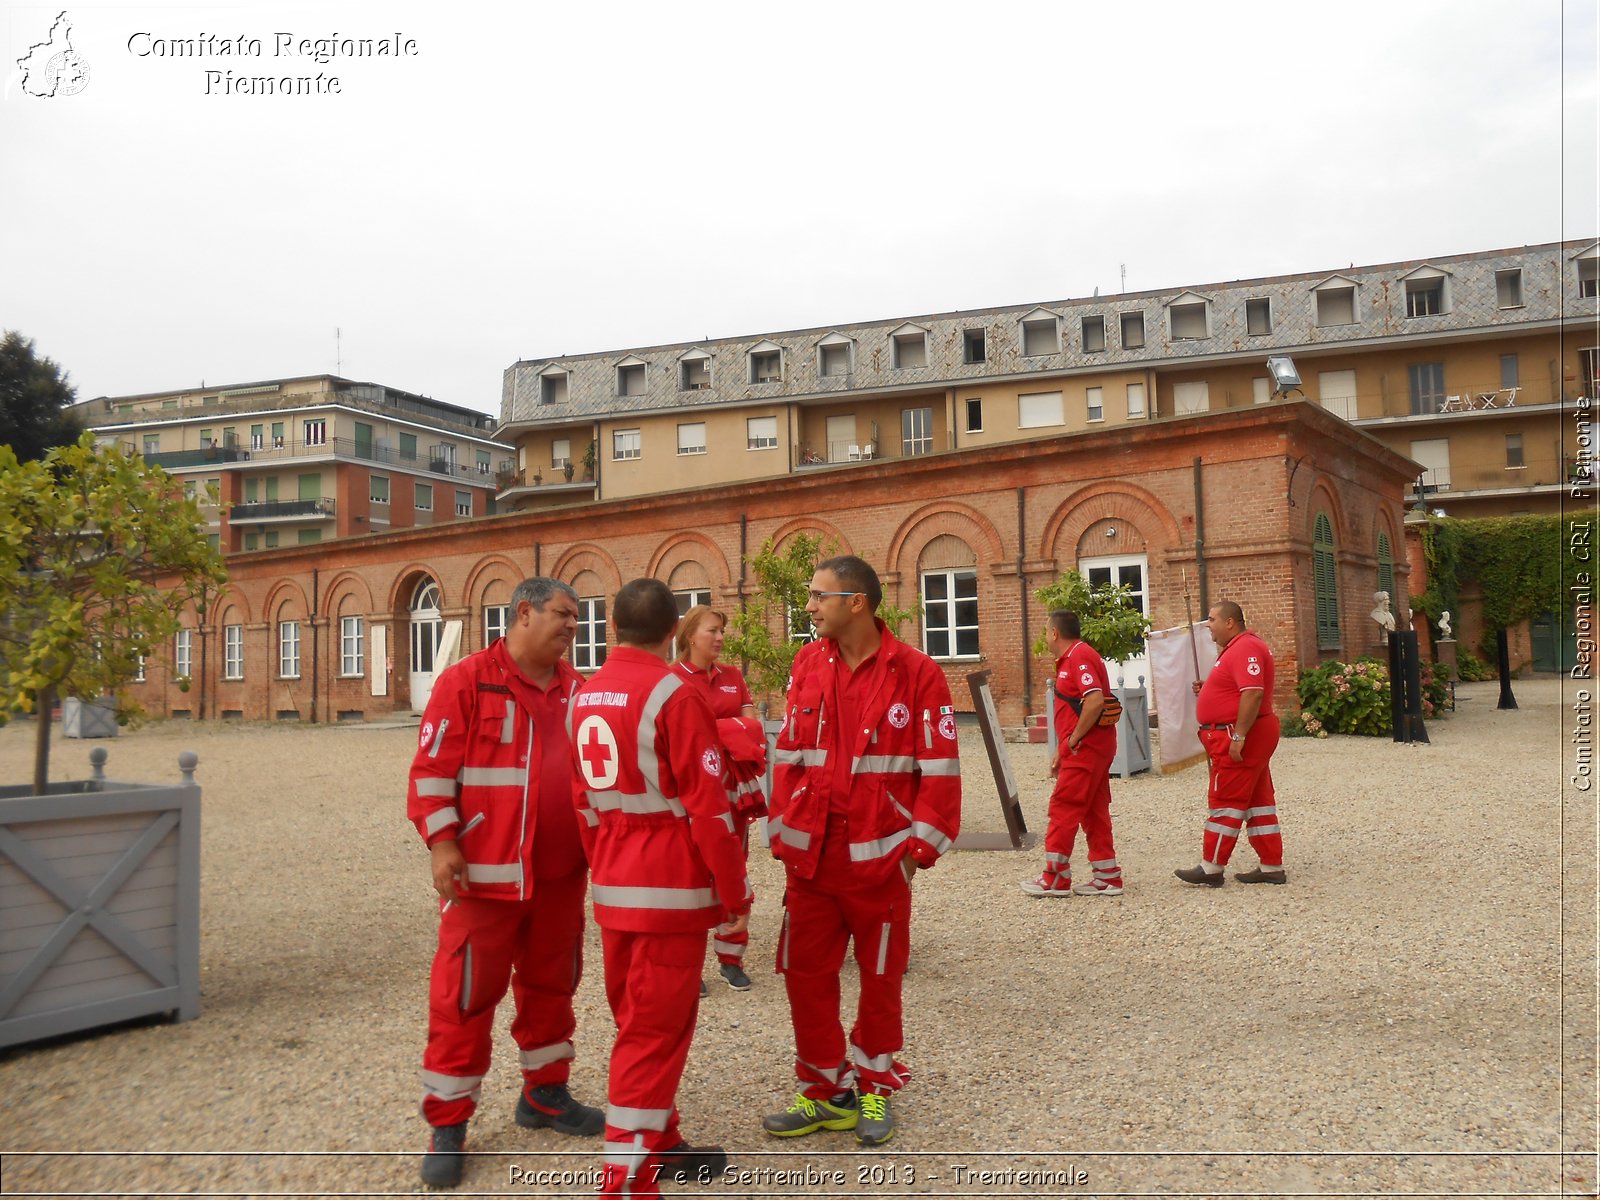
{"x":1381,"y":612}
{"x":1444,"y":625}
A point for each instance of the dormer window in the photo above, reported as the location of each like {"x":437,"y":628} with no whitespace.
{"x":1189,"y":318}
{"x":552,"y":386}
{"x":910,"y":344}
{"x":834,"y":355}
{"x":1588,"y":268}
{"x":1041,"y":334}
{"x":694,"y":372}
{"x":1425,"y":292}
{"x":631,"y":377}
{"x":766,"y":363}
{"x":1336,"y":301}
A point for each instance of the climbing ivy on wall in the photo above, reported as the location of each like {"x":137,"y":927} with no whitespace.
{"x":1521,"y":565}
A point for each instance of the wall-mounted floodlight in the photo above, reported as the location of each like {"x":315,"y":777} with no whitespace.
{"x":1285,"y":378}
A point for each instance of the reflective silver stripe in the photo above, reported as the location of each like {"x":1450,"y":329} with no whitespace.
{"x":1102,"y":862}
{"x":494,"y":872}
{"x":750,"y":787}
{"x":1259,"y":829}
{"x":592,"y":817}
{"x":883,"y":948}
{"x":650,"y":802}
{"x":940,"y":766}
{"x":494,"y":776}
{"x":800,"y":758}
{"x":653,"y":897}
{"x":619,"y":1116}
{"x":1106,"y":872}
{"x":543,"y":1056}
{"x":1236,"y":813}
{"x":626,"y":1154}
{"x":1229,"y":830}
{"x":831,"y":1074}
{"x":438,"y":820}
{"x":878,"y":847}
{"x":931,"y":835}
{"x":450,"y":1087}
{"x":778,"y":831}
{"x":649,"y":765}
{"x":732,"y":949}
{"x":508,"y":727}
{"x":883,"y":764}
{"x":437,"y":787}
{"x":872,"y":1062}
{"x":1056,"y":858}
{"x":727,"y":819}
{"x":1265,"y":810}
{"x":438,"y":738}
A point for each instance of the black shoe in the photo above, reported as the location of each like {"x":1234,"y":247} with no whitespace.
{"x":553,"y":1107}
{"x":1200,"y":876}
{"x":704,"y":990}
{"x":445,"y":1160}
{"x":1262,"y":875}
{"x":733,"y":975}
{"x":693,"y":1164}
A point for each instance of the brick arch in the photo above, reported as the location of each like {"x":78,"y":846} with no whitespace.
{"x":828,"y":531}
{"x":285,"y":591}
{"x":405,"y":585}
{"x":1325,"y":498}
{"x":487,"y":570}
{"x":682,"y":548}
{"x":586,"y":556}
{"x":1110,"y":501}
{"x":232,"y":598}
{"x":1098,"y":538}
{"x":943,"y":517}
{"x":345,"y":585}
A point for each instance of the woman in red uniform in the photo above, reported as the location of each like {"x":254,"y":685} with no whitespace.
{"x":744,"y":744}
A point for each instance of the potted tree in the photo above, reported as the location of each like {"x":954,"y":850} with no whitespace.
{"x":588,"y":460}
{"x":99,"y":554}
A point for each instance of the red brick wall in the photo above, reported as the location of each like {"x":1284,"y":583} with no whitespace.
{"x":1264,"y":472}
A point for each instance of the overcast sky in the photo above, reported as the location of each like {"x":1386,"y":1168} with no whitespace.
{"x":540,"y":180}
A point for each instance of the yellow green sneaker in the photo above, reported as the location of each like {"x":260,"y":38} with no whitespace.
{"x":876,"y":1124}
{"x":806,"y":1115}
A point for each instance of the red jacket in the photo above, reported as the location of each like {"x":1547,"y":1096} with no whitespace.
{"x":905,"y":767}
{"x":475,"y":770}
{"x":656,"y":824}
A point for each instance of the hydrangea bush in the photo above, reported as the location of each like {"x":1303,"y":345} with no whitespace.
{"x":1339,"y":697}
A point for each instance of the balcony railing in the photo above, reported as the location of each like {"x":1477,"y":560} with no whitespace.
{"x":280,"y":510}
{"x":280,"y":450}
{"x":1546,"y":471}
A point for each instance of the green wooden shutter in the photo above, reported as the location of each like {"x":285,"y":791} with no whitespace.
{"x":1325,"y":583}
{"x":1386,"y":569}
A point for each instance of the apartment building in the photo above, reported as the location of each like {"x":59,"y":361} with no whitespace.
{"x":290,"y":462}
{"x":1463,"y":363}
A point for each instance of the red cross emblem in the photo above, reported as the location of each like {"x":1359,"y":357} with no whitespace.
{"x":597,"y":753}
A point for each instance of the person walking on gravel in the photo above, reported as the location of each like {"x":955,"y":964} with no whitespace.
{"x":1084,"y":750}
{"x":1240,"y":732}
{"x":866,"y":791}
{"x":491,"y":795}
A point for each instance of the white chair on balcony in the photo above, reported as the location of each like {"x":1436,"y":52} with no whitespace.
{"x":854,"y":453}
{"x":1455,"y":404}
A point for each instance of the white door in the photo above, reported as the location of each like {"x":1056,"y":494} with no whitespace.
{"x":841,"y":436}
{"x":1338,"y":390}
{"x":1130,"y":571}
{"x":426,"y":630}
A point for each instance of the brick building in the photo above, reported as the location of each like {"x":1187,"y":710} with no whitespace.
{"x":1285,"y":507}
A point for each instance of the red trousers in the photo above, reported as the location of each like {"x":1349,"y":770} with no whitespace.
{"x":536,"y":946}
{"x":821,"y":916}
{"x":730,"y":947}
{"x":653,"y":985}
{"x":1082,"y":797}
{"x":1242,"y":795}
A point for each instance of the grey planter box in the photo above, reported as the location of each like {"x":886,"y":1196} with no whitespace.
{"x":99,"y":903}
{"x":88,"y":719}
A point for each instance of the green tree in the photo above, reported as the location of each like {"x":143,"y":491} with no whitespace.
{"x":782,"y":580}
{"x":99,"y":555}
{"x":1109,"y":615}
{"x":34,"y":394}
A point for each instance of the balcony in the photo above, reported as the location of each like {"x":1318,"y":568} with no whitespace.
{"x":196,"y":458}
{"x":512,"y":485}
{"x":281,"y":450}
{"x":283,"y":510}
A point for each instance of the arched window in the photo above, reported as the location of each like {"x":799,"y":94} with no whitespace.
{"x":1386,"y":570}
{"x":1325,"y":583}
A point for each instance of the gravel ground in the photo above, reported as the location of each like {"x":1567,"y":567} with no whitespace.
{"x":1413,"y":1013}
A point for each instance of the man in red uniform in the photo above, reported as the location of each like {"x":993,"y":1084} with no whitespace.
{"x":1240,"y":731}
{"x":667,"y":865}
{"x":491,"y":795}
{"x":1084,"y":750}
{"x":866,"y":790}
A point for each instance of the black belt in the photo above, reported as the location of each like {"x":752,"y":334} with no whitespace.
{"x":1227,"y":726}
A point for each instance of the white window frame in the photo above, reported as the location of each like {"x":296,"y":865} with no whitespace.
{"x":916,"y":440}
{"x":939,"y":616}
{"x":1181,"y":319}
{"x":289,"y":650}
{"x":625,"y":445}
{"x":1047,"y":327}
{"x":553,"y":386}
{"x":138,"y":671}
{"x":1191,"y":397}
{"x":757,"y":374}
{"x":233,"y":652}
{"x":971,"y":400}
{"x":183,"y":653}
{"x":754,"y":440}
{"x":560,"y":452}
{"x":1433,"y":456}
{"x":1045,"y":404}
{"x":1139,"y":410}
{"x":314,"y":431}
{"x":1094,"y":404}
{"x":839,"y":352}
{"x":417,"y":502}
{"x":352,"y":648}
{"x":1427,"y":293}
{"x":1588,"y":277}
{"x":496,"y":617}
{"x":687,"y":598}
{"x":1328,"y":298}
{"x":690,"y":442}
{"x":589,"y":642}
{"x":463,"y":509}
{"x":630,"y":375}
{"x":372,"y":489}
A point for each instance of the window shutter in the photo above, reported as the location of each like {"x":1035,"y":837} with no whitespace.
{"x":1325,"y":584}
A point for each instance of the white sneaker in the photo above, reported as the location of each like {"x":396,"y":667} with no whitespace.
{"x":1038,"y":887}
{"x":1098,"y":888}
